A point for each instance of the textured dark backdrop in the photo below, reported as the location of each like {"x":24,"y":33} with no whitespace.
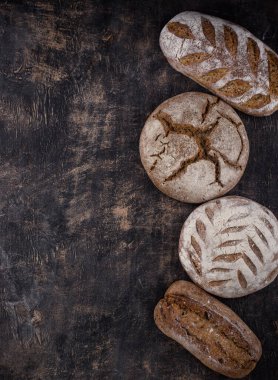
{"x":87,"y":244}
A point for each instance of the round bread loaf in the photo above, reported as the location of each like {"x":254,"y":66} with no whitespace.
{"x":194,"y":147}
{"x":229,"y":246}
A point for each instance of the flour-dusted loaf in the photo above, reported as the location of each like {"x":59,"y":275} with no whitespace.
{"x":229,"y":246}
{"x":208,"y":329}
{"x":225,"y":58}
{"x":194,"y":147}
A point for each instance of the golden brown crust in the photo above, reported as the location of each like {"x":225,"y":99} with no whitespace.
{"x":235,"y":87}
{"x":231,"y":40}
{"x":209,"y":31}
{"x":214,"y":75}
{"x":273,"y":72}
{"x":208,"y":329}
{"x":193,"y":58}
{"x":251,"y":107}
{"x":258,"y":101}
{"x":180,"y":30}
{"x":253,"y":52}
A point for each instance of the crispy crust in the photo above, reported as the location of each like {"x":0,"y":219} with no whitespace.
{"x":208,"y":329}
{"x":183,"y":189}
{"x":224,"y":45}
{"x":235,"y":260}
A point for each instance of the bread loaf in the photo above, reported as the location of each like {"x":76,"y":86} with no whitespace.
{"x":224,"y":58}
{"x":229,"y":246}
{"x":194,"y":147}
{"x":208,"y":329}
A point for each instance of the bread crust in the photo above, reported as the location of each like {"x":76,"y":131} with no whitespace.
{"x":224,"y":58}
{"x":194,"y":147}
{"x":208,"y":329}
{"x":228,"y":246}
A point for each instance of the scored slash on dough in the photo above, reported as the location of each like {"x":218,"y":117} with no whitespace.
{"x":232,"y":261}
{"x":208,"y":329}
{"x":224,"y":58}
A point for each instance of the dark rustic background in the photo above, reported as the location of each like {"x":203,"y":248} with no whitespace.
{"x":87,"y":244}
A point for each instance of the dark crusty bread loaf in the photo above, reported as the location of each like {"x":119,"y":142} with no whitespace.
{"x":225,"y":58}
{"x":208,"y":329}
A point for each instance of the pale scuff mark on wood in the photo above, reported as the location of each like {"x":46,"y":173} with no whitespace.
{"x":121,"y":213}
{"x":46,"y":74}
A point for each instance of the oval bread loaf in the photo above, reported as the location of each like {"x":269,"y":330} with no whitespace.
{"x":224,"y":58}
{"x":208,"y":329}
{"x":229,"y":246}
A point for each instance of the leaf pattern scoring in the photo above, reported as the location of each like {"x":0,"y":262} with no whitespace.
{"x":180,"y":30}
{"x":241,"y":279}
{"x":247,"y":260}
{"x":237,"y":85}
{"x":253,"y":53}
{"x":231,"y":40}
{"x":209,"y":31}
{"x":215,"y":75}
{"x":257,"y":101}
{"x":194,"y":58}
{"x":273,"y":72}
{"x":201,"y":229}
{"x":234,"y":88}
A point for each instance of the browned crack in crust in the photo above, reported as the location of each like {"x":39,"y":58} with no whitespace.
{"x":217,"y":169}
{"x":204,"y":114}
{"x":227,"y":161}
{"x":158,"y":155}
{"x":206,"y":329}
{"x":208,"y":108}
{"x":201,"y":135}
{"x":182,"y":168}
{"x":169,"y":126}
{"x":153,"y":165}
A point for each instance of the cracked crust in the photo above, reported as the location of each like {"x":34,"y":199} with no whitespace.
{"x":194,"y":147}
{"x":208,"y":329}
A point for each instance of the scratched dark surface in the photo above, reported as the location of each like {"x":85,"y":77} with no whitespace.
{"x":87,"y":244}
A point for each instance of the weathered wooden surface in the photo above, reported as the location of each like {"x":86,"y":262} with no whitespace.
{"x":87,"y":244}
